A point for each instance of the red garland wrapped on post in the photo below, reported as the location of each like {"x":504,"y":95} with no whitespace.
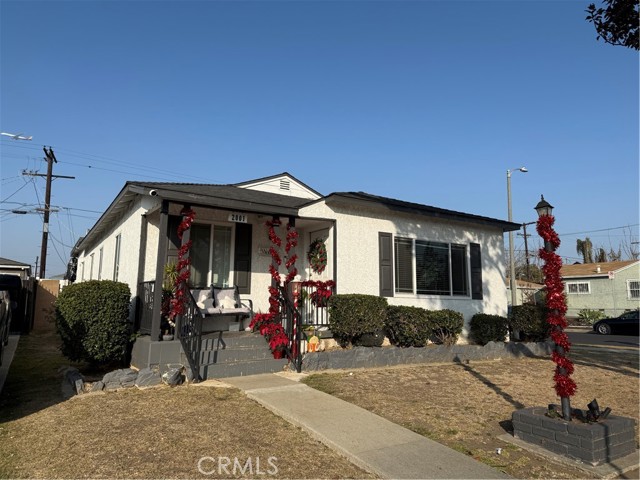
{"x":565,"y":386}
{"x":267,"y":323}
{"x":179,"y":299}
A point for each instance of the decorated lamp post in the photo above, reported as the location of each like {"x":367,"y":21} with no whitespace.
{"x":556,"y":306}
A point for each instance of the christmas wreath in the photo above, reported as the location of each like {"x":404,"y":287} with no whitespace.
{"x":317,"y":255}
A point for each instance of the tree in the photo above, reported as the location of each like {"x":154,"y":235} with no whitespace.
{"x":585,"y":248}
{"x":616,"y":23}
{"x":601,"y":255}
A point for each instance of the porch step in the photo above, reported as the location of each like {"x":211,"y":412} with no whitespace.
{"x":230,"y":354}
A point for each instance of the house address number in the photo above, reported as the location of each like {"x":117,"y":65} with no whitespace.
{"x":238,"y":217}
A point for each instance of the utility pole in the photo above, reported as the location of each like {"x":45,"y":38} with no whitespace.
{"x":51,"y":159}
{"x":526,"y":248}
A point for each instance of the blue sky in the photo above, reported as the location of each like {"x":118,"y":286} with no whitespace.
{"x":425,"y":101}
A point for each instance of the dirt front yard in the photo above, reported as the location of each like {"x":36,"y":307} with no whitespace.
{"x":468,"y":406}
{"x":182,"y":432}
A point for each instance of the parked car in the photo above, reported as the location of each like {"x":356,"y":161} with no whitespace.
{"x":626,"y":323}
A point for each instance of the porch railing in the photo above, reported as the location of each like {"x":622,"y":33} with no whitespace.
{"x":292,"y":324}
{"x":188,"y":330}
{"x":313,"y":312}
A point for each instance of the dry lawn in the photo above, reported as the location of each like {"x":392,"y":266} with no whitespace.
{"x":468,"y":406}
{"x":155,"y":433}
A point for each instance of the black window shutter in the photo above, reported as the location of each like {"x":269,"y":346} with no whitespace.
{"x":476,"y":271}
{"x":385,"y":247}
{"x":173,"y":245}
{"x":242,"y":261}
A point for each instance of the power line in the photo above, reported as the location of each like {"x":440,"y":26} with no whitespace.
{"x":601,"y":230}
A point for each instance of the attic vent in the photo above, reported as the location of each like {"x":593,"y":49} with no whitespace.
{"x":285,"y":185}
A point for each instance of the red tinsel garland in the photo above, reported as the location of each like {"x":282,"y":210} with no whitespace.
{"x":557,"y":307}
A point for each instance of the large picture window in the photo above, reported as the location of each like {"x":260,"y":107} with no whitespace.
{"x":440,"y":268}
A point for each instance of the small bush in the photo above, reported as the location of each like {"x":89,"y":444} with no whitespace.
{"x":485,"y":328}
{"x":589,"y":317}
{"x":446,"y":326}
{"x":408,"y":326}
{"x":92,"y":321}
{"x":353,"y":315}
{"x":530,"y":321}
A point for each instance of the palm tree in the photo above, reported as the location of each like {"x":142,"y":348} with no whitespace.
{"x":585,"y":248}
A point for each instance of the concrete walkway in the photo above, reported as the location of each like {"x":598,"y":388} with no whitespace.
{"x":7,"y":358}
{"x":369,"y":441}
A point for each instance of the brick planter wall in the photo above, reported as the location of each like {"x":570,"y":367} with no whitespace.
{"x":594,"y":443}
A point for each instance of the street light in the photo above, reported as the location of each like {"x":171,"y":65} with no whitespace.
{"x":543,"y":207}
{"x":512,"y":264}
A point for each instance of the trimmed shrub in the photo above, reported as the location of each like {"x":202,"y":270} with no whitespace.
{"x":530,"y":321}
{"x":92,"y":321}
{"x":353,"y":315}
{"x":485,"y":328}
{"x":446,"y":326}
{"x":408,"y":326}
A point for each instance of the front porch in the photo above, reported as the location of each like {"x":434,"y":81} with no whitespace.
{"x":227,"y":349}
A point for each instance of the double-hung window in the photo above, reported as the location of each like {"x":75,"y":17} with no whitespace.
{"x":633,"y":289}
{"x":431,"y":268}
{"x":116,"y":258}
{"x":579,"y":288}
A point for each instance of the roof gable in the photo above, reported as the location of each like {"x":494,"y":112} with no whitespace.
{"x":281,"y":184}
{"x":595,"y":269}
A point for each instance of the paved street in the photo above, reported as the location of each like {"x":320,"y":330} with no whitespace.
{"x":593,"y":339}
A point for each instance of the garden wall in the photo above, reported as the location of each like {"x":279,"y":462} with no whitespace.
{"x":367,"y":357}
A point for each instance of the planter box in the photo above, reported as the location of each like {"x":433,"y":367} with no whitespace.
{"x":592,"y":443}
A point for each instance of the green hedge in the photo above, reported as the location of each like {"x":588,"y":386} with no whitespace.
{"x":530,"y":321}
{"x":485,"y":328}
{"x":446,"y":326}
{"x":354,"y":315}
{"x":92,"y":321}
{"x":408,"y":326}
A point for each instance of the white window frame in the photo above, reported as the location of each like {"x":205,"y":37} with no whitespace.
{"x":577,"y":285}
{"x":212,"y":226}
{"x":630,"y":296}
{"x":116,"y":257}
{"x":100,"y":263}
{"x":91,"y":267}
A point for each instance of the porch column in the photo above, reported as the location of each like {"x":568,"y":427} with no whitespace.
{"x":160,"y":261}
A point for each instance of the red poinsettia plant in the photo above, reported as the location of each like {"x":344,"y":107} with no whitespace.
{"x":178,"y":300}
{"x":322,"y":291}
{"x":268,"y":324}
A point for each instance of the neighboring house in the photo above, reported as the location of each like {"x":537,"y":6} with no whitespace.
{"x":23,"y":270}
{"x":526,"y":292}
{"x":611,"y":287}
{"x":410,"y":253}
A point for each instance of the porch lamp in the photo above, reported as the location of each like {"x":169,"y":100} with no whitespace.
{"x":556,"y":306}
{"x":512,"y":264}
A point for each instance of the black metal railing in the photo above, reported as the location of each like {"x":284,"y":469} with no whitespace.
{"x":292,"y":324}
{"x":313,"y":309}
{"x":188,"y":330}
{"x":145,"y":307}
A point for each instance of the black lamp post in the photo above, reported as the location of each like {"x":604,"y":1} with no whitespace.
{"x":544,"y":210}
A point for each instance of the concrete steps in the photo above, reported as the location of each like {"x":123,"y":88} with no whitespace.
{"x":234,"y":354}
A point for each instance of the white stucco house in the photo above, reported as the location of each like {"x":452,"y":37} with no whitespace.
{"x":412,"y":254}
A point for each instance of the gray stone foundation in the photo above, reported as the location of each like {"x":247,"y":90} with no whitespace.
{"x":367,"y":357}
{"x":592,"y":443}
